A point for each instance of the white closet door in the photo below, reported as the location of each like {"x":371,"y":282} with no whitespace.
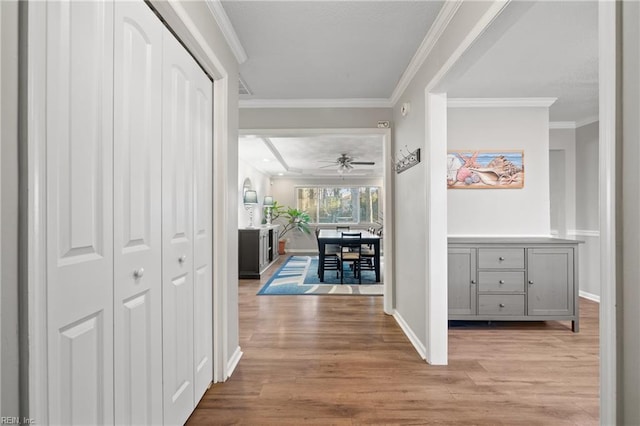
{"x":177,"y":230}
{"x":137,"y":208}
{"x":203,"y":322}
{"x":79,"y":126}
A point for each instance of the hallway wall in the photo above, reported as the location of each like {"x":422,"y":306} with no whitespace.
{"x":9,"y":301}
{"x":420,"y":211}
{"x":628,"y":234}
{"x":498,"y":212}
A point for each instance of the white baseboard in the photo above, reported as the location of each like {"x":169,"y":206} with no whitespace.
{"x":590,"y":296}
{"x":233,"y":362}
{"x":422,"y":351}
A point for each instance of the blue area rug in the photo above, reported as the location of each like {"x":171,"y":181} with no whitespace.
{"x":299,"y":275}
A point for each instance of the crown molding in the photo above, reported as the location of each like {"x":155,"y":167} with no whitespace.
{"x":573,"y":124}
{"x":557,"y":125}
{"x":499,"y":102}
{"x":441,"y":22}
{"x":588,"y":120}
{"x":315,"y":103}
{"x":221,"y":18}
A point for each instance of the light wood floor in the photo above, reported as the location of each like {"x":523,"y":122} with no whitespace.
{"x":341,"y":360}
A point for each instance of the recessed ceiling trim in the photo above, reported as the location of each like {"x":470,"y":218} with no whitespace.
{"x":500,"y":102}
{"x":316,"y":103}
{"x":278,"y":156}
{"x":447,"y":12}
{"x":573,"y":124}
{"x":243,"y":88}
{"x":215,"y":6}
{"x":588,"y":120}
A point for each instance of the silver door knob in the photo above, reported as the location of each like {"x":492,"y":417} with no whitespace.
{"x":138,"y":273}
{"x":501,"y":281}
{"x":530,"y":282}
{"x":182,"y":258}
{"x":502,"y":305}
{"x":501,"y":258}
{"x":473,"y":281}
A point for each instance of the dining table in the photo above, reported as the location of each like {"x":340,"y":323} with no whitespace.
{"x":330,"y":236}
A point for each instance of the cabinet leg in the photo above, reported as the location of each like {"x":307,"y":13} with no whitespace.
{"x":575,"y":326}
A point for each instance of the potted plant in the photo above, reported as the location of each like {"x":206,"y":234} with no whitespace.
{"x":292,"y":220}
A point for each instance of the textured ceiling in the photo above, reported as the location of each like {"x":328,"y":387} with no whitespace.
{"x":311,"y":155}
{"x":328,"y":49}
{"x":551,"y":51}
{"x":360,"y":49}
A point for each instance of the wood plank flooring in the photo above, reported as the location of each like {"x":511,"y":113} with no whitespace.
{"x":340,"y":360}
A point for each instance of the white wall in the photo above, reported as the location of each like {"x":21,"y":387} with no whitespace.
{"x":628,"y":235}
{"x":9,"y":345}
{"x":312,"y":118}
{"x":587,"y":204}
{"x":513,"y":212}
{"x":587,"y":227}
{"x":418,"y":210}
{"x":261,"y":183}
{"x":564,"y":140}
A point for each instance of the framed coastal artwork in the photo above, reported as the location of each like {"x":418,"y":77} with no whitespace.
{"x":485,"y":169}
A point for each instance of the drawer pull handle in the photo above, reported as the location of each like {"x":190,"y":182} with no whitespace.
{"x":502,"y":305}
{"x":473,"y":281}
{"x":530,"y":281}
{"x":501,"y":258}
{"x":501,"y":281}
{"x":182,"y":259}
{"x":138,"y":273}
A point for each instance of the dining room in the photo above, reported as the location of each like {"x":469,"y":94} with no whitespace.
{"x":337,"y":178}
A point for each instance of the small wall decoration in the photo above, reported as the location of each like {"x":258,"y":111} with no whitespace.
{"x":485,"y":169}
{"x":407,"y":161}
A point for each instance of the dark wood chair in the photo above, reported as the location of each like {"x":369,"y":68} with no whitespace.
{"x":368,"y":255}
{"x":331,"y":258}
{"x":351,"y":252}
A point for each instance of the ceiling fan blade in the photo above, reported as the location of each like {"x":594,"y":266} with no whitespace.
{"x":363,"y":163}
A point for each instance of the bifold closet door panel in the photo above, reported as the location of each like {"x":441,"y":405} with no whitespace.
{"x":79,"y":208}
{"x":137,"y":214}
{"x":177,"y":229}
{"x":202,"y":127}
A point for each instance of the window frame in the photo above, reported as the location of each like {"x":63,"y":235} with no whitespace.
{"x":316,"y":215}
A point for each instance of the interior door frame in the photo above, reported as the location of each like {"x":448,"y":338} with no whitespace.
{"x":34,"y":269}
{"x":387,"y":180}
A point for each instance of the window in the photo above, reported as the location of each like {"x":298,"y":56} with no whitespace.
{"x":339,"y":204}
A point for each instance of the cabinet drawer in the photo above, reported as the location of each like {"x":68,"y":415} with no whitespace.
{"x":501,"y":281}
{"x":501,"y":258}
{"x":501,"y":304}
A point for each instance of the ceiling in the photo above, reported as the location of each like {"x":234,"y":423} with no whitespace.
{"x":312,"y":156}
{"x":550,"y":51}
{"x":328,"y":49}
{"x":344,"y":50}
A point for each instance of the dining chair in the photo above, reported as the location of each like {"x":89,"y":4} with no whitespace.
{"x":351,"y":252}
{"x":368,"y":254}
{"x":331,"y":259}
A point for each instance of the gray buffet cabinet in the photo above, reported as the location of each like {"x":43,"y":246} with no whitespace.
{"x":513,"y":279}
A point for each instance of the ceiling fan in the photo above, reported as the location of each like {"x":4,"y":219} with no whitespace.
{"x":345,"y":163}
